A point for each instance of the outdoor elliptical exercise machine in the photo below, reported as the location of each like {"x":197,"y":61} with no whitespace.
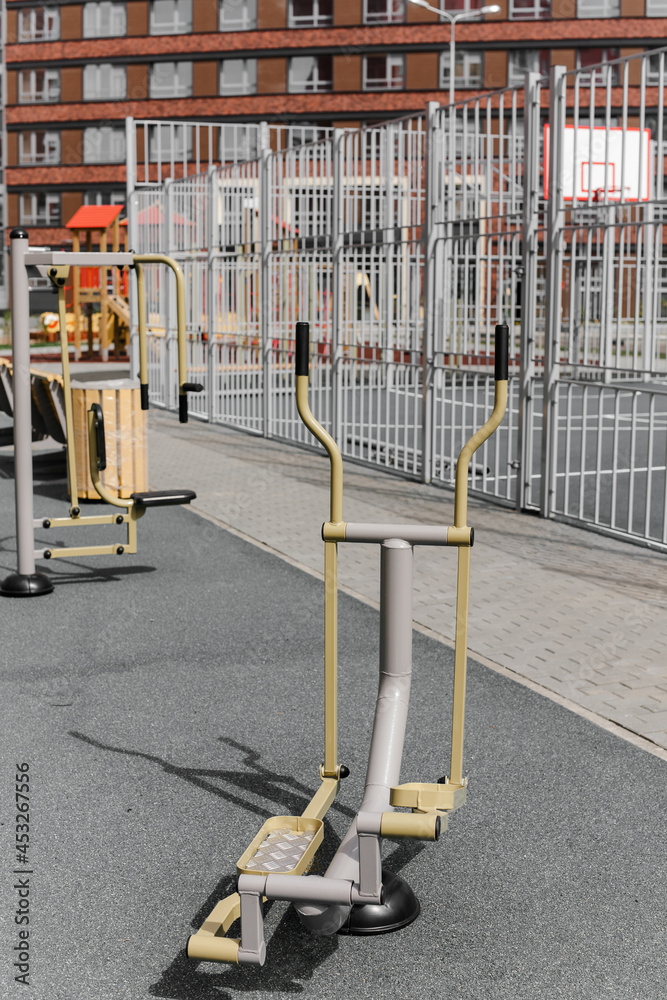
{"x":355,"y":895}
{"x":56,"y":265}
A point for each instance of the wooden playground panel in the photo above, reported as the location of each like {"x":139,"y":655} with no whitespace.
{"x":124,"y":420}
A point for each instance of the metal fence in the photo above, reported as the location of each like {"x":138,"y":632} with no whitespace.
{"x":541,"y":206}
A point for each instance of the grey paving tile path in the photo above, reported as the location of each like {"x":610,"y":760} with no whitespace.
{"x":578,"y":614}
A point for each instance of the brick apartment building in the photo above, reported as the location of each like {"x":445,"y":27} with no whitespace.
{"x":75,"y":70}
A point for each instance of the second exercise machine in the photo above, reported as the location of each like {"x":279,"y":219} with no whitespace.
{"x":355,"y":895}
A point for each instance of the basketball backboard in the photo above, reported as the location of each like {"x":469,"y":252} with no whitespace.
{"x":610,"y":164}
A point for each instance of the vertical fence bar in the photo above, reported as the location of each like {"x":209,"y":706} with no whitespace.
{"x":265,"y":277}
{"x":213,"y":195}
{"x":529,"y":236}
{"x":555,"y":222}
{"x":131,"y":206}
{"x":338,"y":182}
{"x":433,"y":165}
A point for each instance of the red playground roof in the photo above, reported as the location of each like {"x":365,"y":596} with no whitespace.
{"x":94,"y":216}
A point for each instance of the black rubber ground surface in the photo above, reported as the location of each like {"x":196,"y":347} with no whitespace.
{"x":169,"y":702}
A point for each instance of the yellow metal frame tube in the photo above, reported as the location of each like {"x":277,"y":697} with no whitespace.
{"x":335,"y":457}
{"x":76,"y":522}
{"x":469,"y":449}
{"x":209,"y":943}
{"x":107,"y":496}
{"x":74,"y":551}
{"x":61,"y":276}
{"x":463,"y":578}
{"x":331,"y":768}
{"x":159,"y":258}
{"x":415,"y":826}
{"x":93,"y":458}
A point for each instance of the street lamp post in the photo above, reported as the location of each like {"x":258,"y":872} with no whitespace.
{"x":453,"y":18}
{"x":449,"y":257}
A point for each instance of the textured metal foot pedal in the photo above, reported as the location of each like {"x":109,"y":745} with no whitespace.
{"x":284,"y":846}
{"x":423,"y":797}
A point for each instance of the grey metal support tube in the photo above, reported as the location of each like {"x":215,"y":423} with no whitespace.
{"x":26,"y":582}
{"x":384,"y":761}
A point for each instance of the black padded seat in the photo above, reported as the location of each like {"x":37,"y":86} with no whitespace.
{"x":163,"y":498}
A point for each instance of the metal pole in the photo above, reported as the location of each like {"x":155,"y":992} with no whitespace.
{"x":172,"y":344}
{"x":555,"y":223}
{"x":452,"y":60}
{"x":26,"y":582}
{"x":337,"y":279}
{"x":131,"y":202}
{"x":531,"y":180}
{"x":265,"y":248}
{"x":433,"y":172}
{"x":212,"y":199}
{"x":384,"y":760}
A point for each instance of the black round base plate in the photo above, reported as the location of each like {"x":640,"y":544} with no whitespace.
{"x":399,"y":909}
{"x":26,"y":585}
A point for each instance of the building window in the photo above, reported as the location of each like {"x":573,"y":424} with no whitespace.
{"x":238,"y":76}
{"x":654,"y":78}
{"x":530,"y":10}
{"x":169,"y":142}
{"x":601,"y":74}
{"x":598,"y":8}
{"x":104,"y":197}
{"x":103,"y":82}
{"x":39,"y":86}
{"x":310,"y":13}
{"x":384,"y":11}
{"x":306,"y":132}
{"x":39,"y":147}
{"x":522,"y":61}
{"x":237,"y":142}
{"x":383,"y":72}
{"x":104,"y":144}
{"x":468,"y":71}
{"x":457,"y":6}
{"x":656,"y":8}
{"x":39,"y":209}
{"x":39,"y":24}
{"x":171,"y":17}
{"x":310,"y":74}
{"x":104,"y":19}
{"x":237,"y":15}
{"x":171,"y":79}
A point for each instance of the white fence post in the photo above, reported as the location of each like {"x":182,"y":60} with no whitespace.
{"x":553,"y":301}
{"x":169,"y":297}
{"x":433,"y":157}
{"x":337,"y":203}
{"x":529,"y":239}
{"x":265,"y":276}
{"x":130,"y":210}
{"x":213,"y":240}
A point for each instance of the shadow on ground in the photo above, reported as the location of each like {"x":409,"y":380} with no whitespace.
{"x":293,"y":954}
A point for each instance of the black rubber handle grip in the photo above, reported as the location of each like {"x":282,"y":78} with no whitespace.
{"x":99,"y":436}
{"x":192,"y":387}
{"x":502,"y":352}
{"x":183,"y":409}
{"x":144,"y":396}
{"x":302,"y":348}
